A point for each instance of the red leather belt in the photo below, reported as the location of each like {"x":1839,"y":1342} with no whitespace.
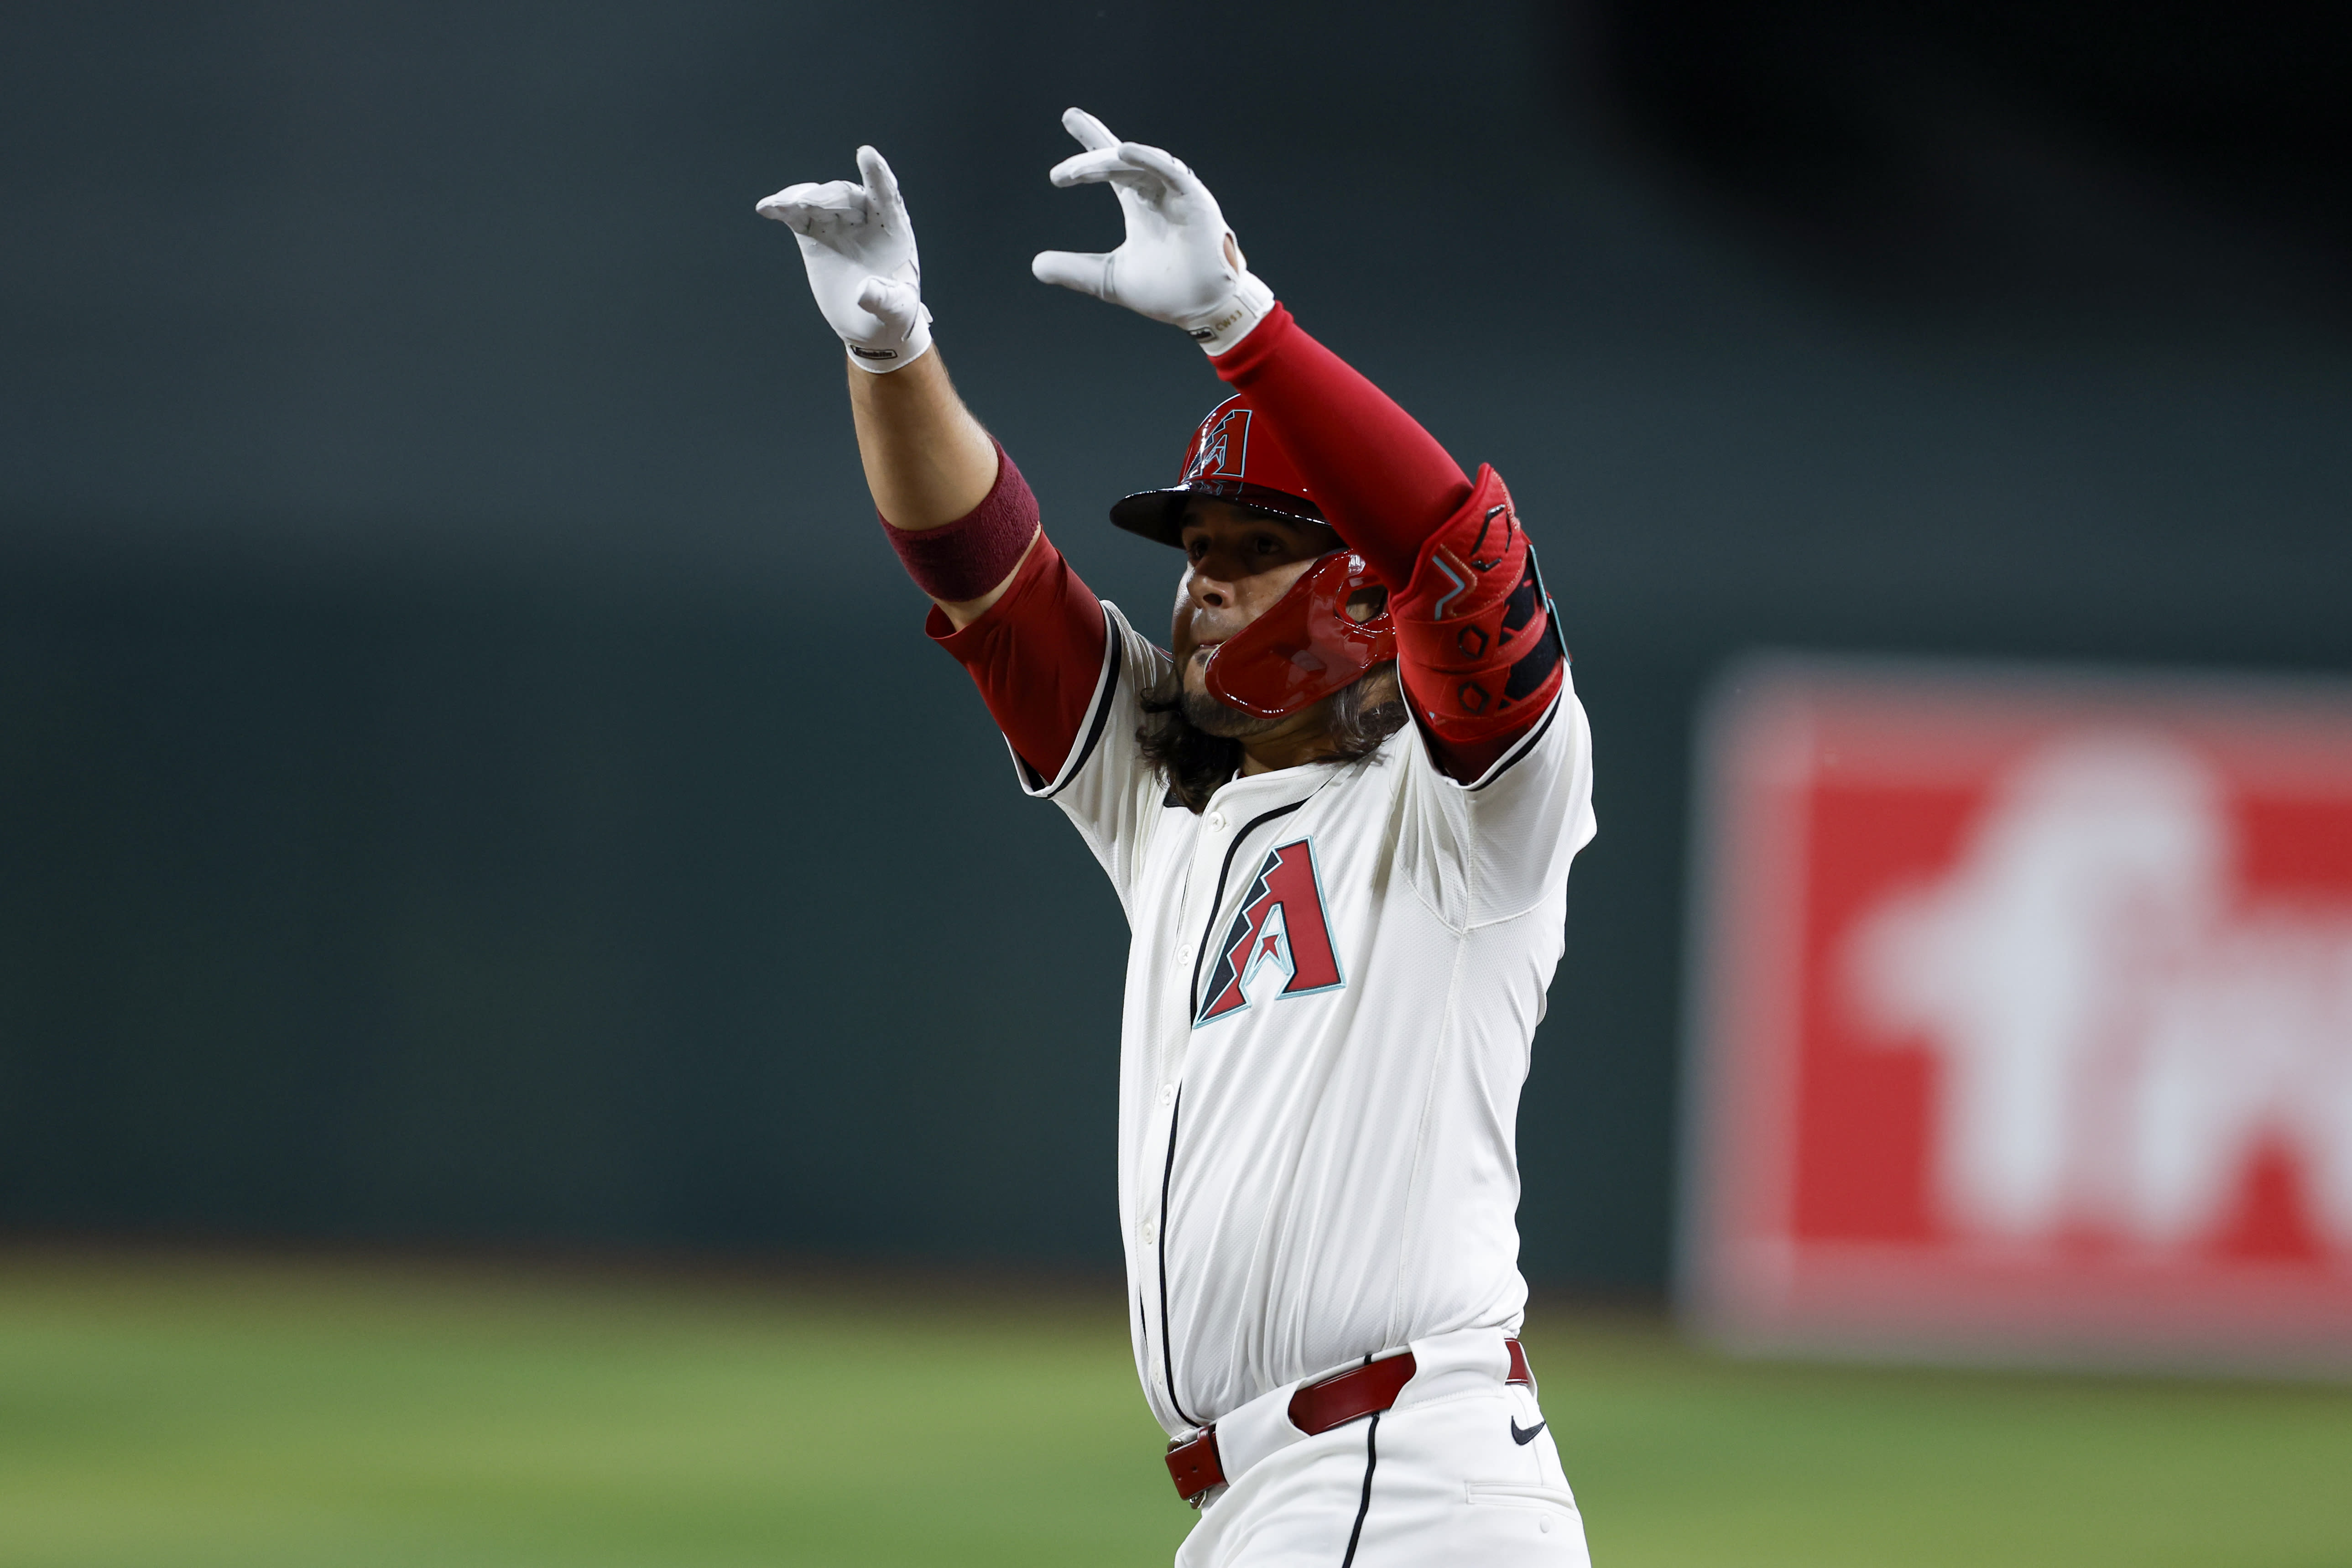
{"x":1315,"y":1408}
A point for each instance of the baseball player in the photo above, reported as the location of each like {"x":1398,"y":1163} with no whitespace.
{"x":1339,"y":809}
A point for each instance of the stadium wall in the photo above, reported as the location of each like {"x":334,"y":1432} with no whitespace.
{"x":468,"y":770}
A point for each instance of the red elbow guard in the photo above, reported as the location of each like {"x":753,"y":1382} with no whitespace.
{"x":1476,"y":641}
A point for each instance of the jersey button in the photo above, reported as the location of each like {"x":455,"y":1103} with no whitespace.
{"x":1147,"y":1233}
{"x":1185,"y":952}
{"x":1167,"y":1094}
{"x":1216,"y":822}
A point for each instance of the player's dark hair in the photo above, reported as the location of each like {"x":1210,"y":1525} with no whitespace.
{"x":1190,"y":760}
{"x":1194,"y":762}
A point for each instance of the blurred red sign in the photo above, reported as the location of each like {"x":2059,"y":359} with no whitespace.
{"x":2024,"y":1022}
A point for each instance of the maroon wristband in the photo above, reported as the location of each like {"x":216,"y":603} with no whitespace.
{"x":964,"y":559}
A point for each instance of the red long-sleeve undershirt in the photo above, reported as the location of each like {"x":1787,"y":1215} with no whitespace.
{"x":1384,"y":482}
{"x":1035,"y":656}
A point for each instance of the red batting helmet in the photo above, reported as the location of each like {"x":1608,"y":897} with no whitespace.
{"x":1234,"y":456}
{"x":1305,"y":646}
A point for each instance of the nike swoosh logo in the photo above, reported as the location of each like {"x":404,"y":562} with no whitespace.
{"x":1524,"y":1438}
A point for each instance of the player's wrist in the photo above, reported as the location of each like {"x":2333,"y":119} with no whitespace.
{"x":1222,"y":328}
{"x":880,"y":356}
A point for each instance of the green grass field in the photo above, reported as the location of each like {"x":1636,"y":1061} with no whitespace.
{"x":189,"y":1412}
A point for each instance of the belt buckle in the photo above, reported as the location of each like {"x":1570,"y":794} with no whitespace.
{"x":1194,"y":1465}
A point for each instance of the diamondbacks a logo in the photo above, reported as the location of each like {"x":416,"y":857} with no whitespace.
{"x":1280,"y":930}
{"x":1223,"y":452}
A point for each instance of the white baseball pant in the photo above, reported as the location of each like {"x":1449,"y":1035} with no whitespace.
{"x":1462,"y":1470}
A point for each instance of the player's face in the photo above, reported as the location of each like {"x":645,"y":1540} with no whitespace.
{"x":1238,"y":562}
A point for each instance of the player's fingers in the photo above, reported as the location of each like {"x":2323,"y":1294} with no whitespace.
{"x":795,"y":202}
{"x":889,"y":298}
{"x":1092,"y":168}
{"x":875,"y":169}
{"x":785,"y":203}
{"x":1092,"y":133}
{"x":1165,"y":165}
{"x":1070,"y":269}
{"x":1108,"y":167}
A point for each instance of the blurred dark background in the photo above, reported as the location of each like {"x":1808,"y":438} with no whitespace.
{"x":469,"y":770}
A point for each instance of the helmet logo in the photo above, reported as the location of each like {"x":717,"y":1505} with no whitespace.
{"x":1222,"y":451}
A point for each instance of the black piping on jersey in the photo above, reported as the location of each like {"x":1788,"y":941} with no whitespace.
{"x":1167,"y":1176}
{"x":1518,"y":752}
{"x":1114,"y":668}
{"x":1371,"y":1460}
{"x":1209,"y":936}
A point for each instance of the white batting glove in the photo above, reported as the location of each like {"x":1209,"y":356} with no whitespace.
{"x":862,"y":267}
{"x":1180,"y":263}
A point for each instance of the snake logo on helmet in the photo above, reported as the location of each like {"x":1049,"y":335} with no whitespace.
{"x":1305,"y":646}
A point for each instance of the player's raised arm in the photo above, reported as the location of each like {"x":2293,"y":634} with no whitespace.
{"x":1479,"y":656}
{"x":928,"y":462}
{"x":1383,"y":482}
{"x":951,"y":501}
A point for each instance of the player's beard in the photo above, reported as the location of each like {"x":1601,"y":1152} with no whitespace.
{"x":1205,"y":712}
{"x":1211,"y":717}
{"x":1195,"y":742}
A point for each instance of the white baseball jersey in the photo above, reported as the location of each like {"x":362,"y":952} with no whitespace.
{"x":1335,"y":976}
